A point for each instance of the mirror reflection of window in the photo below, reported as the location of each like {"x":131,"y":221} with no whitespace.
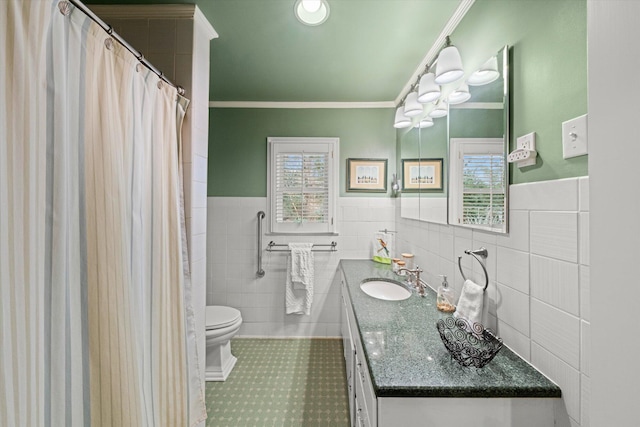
{"x":478,"y":176}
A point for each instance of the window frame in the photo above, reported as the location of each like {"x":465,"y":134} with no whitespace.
{"x":460,"y":147}
{"x":295,"y":144}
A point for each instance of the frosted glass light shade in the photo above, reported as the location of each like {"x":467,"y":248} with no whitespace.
{"x":401,"y":121}
{"x":303,"y":10}
{"x":449,"y":66}
{"x":460,"y":95}
{"x":427,"y":122}
{"x":441,"y":110}
{"x":487,"y":73}
{"x":412,"y":107}
{"x":311,"y":6}
{"x":428,"y":90}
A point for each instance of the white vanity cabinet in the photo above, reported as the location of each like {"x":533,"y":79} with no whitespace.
{"x":417,"y":382}
{"x":362,"y":398}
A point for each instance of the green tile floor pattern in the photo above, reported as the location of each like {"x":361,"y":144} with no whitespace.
{"x":281,"y":383}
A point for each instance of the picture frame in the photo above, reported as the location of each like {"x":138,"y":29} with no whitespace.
{"x":367,"y":175}
{"x":422,"y":174}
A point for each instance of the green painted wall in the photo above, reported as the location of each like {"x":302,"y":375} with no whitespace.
{"x":548,"y":40}
{"x":472,"y":123}
{"x":238,"y":143}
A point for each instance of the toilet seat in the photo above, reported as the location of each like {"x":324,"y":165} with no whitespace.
{"x":219,"y":317}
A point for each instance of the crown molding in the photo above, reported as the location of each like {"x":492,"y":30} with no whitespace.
{"x":159,"y":11}
{"x":140,"y":11}
{"x":204,"y":23}
{"x":300,"y":105}
{"x":432,"y":54}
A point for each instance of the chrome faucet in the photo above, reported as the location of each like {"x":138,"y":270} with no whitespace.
{"x":414,"y":280}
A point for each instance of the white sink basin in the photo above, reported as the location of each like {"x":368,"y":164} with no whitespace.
{"x":385,"y":290}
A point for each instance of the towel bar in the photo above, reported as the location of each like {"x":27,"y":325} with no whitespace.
{"x":260,"y":272}
{"x":484,"y":254}
{"x":273,"y":244}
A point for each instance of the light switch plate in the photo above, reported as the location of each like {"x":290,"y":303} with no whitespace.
{"x":574,"y":137}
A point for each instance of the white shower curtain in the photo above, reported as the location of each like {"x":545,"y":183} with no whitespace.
{"x":95,"y":322}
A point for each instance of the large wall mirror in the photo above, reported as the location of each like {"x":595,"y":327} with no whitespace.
{"x":472,"y":144}
{"x":478,"y":148}
{"x":424,"y":172}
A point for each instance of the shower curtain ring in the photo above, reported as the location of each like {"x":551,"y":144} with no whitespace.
{"x":110,"y":30}
{"x":64,"y":7}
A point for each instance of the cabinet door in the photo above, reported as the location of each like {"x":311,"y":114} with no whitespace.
{"x":349,"y":352}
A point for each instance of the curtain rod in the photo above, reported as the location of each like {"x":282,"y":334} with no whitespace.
{"x":109,"y":29}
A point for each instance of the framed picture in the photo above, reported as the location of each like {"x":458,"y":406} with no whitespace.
{"x":367,"y":175}
{"x":421,"y":174}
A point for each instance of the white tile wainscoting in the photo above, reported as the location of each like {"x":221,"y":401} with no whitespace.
{"x":232,"y":264}
{"x":539,"y":279}
{"x":539,"y":273}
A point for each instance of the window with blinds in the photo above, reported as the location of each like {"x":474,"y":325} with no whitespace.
{"x":301,"y":193}
{"x":478,"y":183}
{"x":483,"y":189}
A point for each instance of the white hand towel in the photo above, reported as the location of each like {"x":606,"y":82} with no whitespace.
{"x":301,"y":261}
{"x":297,"y":301}
{"x":470,"y":303}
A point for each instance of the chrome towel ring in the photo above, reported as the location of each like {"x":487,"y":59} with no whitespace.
{"x":483,"y":253}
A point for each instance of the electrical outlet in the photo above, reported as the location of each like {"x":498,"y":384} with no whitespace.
{"x":574,"y":137}
{"x":525,"y":152}
{"x":526,"y":142}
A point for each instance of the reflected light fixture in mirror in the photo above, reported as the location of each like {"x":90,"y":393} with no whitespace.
{"x":449,"y":67}
{"x":486,"y":74}
{"x":401,"y":121}
{"x":428,"y":90}
{"x":427,"y":122}
{"x":460,"y":95}
{"x":441,"y":110}
{"x":412,"y":107}
{"x":311,"y":12}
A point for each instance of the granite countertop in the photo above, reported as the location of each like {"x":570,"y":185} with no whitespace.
{"x":406,"y":357}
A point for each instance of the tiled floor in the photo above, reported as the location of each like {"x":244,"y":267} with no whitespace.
{"x":283,"y":383}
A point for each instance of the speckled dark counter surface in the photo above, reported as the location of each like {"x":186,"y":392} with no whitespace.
{"x":406,"y":357}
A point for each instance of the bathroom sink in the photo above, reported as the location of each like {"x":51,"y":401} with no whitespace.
{"x":384,"y":289}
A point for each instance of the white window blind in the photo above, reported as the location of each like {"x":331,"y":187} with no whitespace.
{"x":301,"y":193}
{"x":483,"y":195}
{"x":302,"y":187}
{"x":477,"y":182}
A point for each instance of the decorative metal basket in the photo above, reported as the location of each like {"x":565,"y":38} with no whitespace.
{"x":469,"y":345}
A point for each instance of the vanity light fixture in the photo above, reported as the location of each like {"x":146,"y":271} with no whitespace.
{"x":449,"y":67}
{"x":487,"y":73}
{"x":441,"y":110}
{"x":311,"y":12}
{"x":412,"y":107}
{"x":401,"y":121}
{"x":428,"y":90}
{"x":460,"y":95}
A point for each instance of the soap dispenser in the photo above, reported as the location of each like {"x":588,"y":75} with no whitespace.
{"x":445,"y":299}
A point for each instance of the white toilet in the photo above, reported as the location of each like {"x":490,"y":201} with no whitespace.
{"x":222,"y":323}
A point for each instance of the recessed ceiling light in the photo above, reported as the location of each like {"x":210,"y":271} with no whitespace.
{"x":311,"y":12}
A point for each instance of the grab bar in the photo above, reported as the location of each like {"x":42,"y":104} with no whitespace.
{"x":260,"y":272}
{"x":331,"y":249}
{"x":484,"y":254}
